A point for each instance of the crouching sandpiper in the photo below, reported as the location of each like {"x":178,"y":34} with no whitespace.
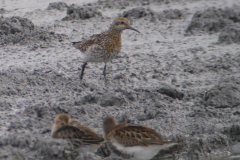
{"x":83,"y":138}
{"x":133,"y":142}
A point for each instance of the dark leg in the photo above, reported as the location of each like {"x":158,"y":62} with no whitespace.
{"x":104,"y":71}
{"x":104,"y":74}
{"x":82,"y":72}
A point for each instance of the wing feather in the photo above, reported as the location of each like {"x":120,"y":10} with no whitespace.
{"x":136,"y":135}
{"x":85,"y":44}
{"x":77,"y":136}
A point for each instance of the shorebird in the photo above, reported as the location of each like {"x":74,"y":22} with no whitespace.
{"x":83,"y":138}
{"x":105,"y":46}
{"x":133,"y":142}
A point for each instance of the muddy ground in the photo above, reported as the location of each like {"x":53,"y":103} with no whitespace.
{"x":180,"y":76}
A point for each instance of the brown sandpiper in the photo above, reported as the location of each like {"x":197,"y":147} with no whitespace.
{"x":105,"y":46}
{"x":133,"y":142}
{"x":83,"y":138}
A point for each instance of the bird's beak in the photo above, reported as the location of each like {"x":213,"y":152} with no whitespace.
{"x":129,"y":27}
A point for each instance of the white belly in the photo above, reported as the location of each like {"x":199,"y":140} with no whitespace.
{"x":142,"y":153}
{"x":88,"y":148}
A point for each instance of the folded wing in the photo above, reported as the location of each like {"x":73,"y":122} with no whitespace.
{"x":78,"y":137}
{"x":135,"y":135}
{"x":85,"y":44}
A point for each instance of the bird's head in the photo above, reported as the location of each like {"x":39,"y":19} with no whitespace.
{"x":121,"y":24}
{"x":61,"y":120}
{"x":108,"y":124}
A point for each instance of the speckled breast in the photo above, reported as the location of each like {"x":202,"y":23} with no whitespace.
{"x":97,"y":53}
{"x":113,"y":55}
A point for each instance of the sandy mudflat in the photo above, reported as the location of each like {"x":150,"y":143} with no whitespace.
{"x":180,"y":76}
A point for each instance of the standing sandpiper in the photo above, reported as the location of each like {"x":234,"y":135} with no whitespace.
{"x":133,"y":142}
{"x":105,"y":46}
{"x":82,"y":137}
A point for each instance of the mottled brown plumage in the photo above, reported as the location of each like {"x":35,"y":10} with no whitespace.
{"x":80,"y":136}
{"x":105,"y":46}
{"x":132,"y":141}
{"x":91,"y":135}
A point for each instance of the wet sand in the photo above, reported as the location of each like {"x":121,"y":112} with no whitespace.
{"x":180,"y":76}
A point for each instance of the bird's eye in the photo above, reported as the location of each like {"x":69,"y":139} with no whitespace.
{"x":61,"y":123}
{"x":122,"y":22}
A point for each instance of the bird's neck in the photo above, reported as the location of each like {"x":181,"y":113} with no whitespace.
{"x":108,"y":128}
{"x":54,"y":128}
{"x":115,"y":35}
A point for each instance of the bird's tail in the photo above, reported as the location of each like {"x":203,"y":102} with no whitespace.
{"x":77,"y":44}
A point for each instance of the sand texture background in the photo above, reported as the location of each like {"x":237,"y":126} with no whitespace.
{"x":180,"y":76}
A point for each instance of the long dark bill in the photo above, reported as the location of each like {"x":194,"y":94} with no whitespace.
{"x":129,"y":27}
